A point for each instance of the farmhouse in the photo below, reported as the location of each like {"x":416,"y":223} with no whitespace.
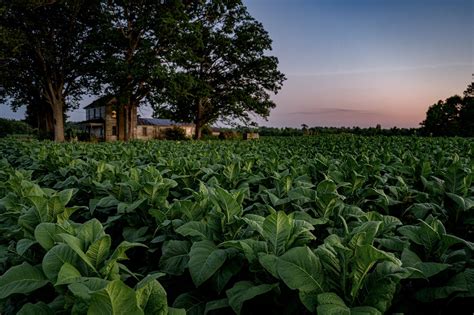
{"x":103,"y":122}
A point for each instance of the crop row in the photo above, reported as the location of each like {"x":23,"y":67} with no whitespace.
{"x":333,"y":225}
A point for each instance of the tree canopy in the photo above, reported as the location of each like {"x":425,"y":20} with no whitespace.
{"x":452,"y":117}
{"x":135,"y":39}
{"x":197,"y":61}
{"x":46,"y":51}
{"x":221,"y":67}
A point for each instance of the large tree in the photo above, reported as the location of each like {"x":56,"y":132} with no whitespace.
{"x":452,"y":117}
{"x":46,"y":50}
{"x":136,"y":39}
{"x":222,"y":71}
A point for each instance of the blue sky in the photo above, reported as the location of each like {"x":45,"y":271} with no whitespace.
{"x":362,"y":62}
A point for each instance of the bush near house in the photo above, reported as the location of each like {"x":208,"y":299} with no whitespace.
{"x":229,"y":135}
{"x":175,"y":133}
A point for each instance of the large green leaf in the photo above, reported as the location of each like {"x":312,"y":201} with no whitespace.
{"x":124,"y":207}
{"x":68,"y":274}
{"x":270,"y":263}
{"x":175,"y":257}
{"x":301,"y":270}
{"x":193,"y":302}
{"x":120,"y":252}
{"x":55,"y":259}
{"x":426,"y":269}
{"x":216,"y":305}
{"x":255,"y":222}
{"x":245,"y":290}
{"x":331,"y":304}
{"x":111,"y":268}
{"x":276,"y":230}
{"x":204,"y":260}
{"x":23,"y":279}
{"x":85,"y":286}
{"x":77,"y":245}
{"x":151,"y":296}
{"x":90,"y":231}
{"x":99,"y":250}
{"x":195,"y":229}
{"x":116,"y":298}
{"x":47,"y":234}
{"x":23,"y":245}
{"x":365,"y":257}
{"x":230,"y":268}
{"x":382,"y":284}
{"x":227,"y":203}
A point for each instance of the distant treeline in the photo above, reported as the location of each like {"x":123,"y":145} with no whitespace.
{"x":307,"y":131}
{"x":14,"y":127}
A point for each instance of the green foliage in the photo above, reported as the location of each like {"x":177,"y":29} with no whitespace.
{"x":175,"y":133}
{"x":328,"y":225}
{"x":48,"y":73}
{"x":452,"y":117}
{"x":14,"y":127}
{"x":221,"y":69}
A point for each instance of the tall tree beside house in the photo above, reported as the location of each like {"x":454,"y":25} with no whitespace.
{"x":46,"y":60}
{"x":136,"y":39}
{"x":222,"y":71}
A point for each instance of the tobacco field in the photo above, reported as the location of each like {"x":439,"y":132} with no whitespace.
{"x":306,"y":225}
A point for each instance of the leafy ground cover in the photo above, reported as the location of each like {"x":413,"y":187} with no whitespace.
{"x":328,"y":225}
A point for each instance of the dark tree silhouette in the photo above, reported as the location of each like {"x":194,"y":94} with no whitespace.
{"x":452,"y":117}
{"x":44,"y":49}
{"x":222,"y":71}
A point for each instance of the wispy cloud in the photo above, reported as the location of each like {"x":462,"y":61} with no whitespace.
{"x":335,"y":110}
{"x":383,"y":69}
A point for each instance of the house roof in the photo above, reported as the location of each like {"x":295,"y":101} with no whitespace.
{"x":101,"y":101}
{"x":159,"y":122}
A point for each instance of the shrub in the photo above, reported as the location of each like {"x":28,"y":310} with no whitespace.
{"x":11,"y":126}
{"x":175,"y":133}
{"x":229,"y":135}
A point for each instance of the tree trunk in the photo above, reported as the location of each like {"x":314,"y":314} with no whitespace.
{"x":198,"y":120}
{"x":121,"y":122}
{"x":58,"y":117}
{"x":132,"y":126}
{"x":126,"y":123}
{"x":39,"y":114}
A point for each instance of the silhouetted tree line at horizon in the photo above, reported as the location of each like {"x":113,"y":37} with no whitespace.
{"x":452,"y":117}
{"x":314,"y":131}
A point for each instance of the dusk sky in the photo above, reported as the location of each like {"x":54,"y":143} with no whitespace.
{"x":364,"y":62}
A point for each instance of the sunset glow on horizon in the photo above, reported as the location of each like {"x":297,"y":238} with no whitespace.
{"x":362,"y":63}
{"x":359,"y":63}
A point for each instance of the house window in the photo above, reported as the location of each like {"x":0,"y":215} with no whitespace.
{"x":114,"y":130}
{"x":94,"y":113}
{"x":88,"y":114}
{"x":145,"y":131}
